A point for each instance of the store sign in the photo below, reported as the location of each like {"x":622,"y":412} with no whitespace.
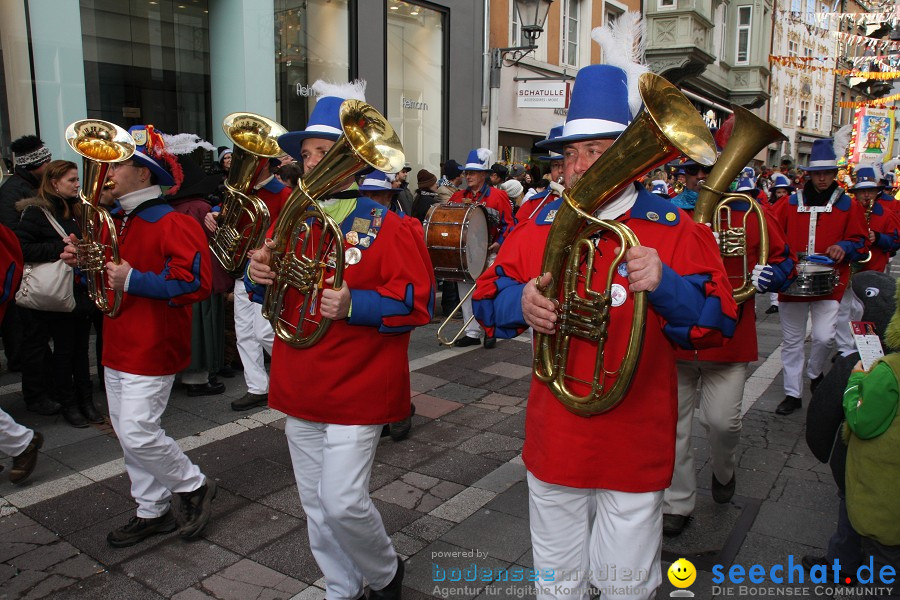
{"x":542,"y":94}
{"x":305,"y":91}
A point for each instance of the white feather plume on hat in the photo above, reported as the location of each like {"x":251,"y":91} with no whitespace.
{"x":842,"y":141}
{"x":354,"y":90}
{"x":185,"y":143}
{"x":623,"y":47}
{"x":485,"y":155}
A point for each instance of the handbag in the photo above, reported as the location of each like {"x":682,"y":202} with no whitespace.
{"x":48,"y":286}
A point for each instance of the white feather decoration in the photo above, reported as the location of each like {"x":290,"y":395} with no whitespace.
{"x":623,"y":47}
{"x":485,"y":156}
{"x":890,"y":165}
{"x":355,"y":90}
{"x":185,"y":143}
{"x":842,"y":141}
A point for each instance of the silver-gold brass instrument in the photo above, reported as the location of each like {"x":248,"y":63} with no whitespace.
{"x":244,"y":219}
{"x":300,"y":251}
{"x":667,"y":127}
{"x":750,"y":135}
{"x":101,"y":144}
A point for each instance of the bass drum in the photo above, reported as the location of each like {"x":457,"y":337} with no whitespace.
{"x":456,"y":236}
{"x":813,"y":280}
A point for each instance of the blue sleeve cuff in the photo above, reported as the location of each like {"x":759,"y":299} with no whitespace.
{"x":256,"y":291}
{"x":366,"y":308}
{"x":851,"y":249}
{"x":676,"y":299}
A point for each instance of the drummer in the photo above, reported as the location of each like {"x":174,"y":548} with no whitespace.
{"x":884,"y":238}
{"x":500,"y":219}
{"x":819,"y":219}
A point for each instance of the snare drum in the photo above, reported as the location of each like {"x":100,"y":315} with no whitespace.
{"x":813,"y":280}
{"x":456,"y":236}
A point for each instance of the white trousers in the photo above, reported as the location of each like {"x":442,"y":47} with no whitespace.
{"x":14,"y":438}
{"x":156,"y":465}
{"x":721,"y":394}
{"x":793,"y":329}
{"x":592,"y":536}
{"x":253,"y":334}
{"x":473,"y":329}
{"x":773,"y":299}
{"x":850,"y":309}
{"x":332,"y":466}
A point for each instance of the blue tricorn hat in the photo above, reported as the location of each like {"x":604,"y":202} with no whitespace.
{"x":598,"y":108}
{"x":555,"y":132}
{"x":745,"y":184}
{"x":660,"y":188}
{"x":779,"y":180}
{"x":822,"y":156}
{"x":867,"y":179}
{"x":376,"y":181}
{"x":163,"y":176}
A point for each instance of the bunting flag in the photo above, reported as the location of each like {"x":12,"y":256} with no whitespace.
{"x":876,"y":102}
{"x":878,"y":75}
{"x":874,"y":139}
{"x":860,"y":40}
{"x":802,"y":63}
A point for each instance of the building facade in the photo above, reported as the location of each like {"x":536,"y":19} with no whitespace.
{"x":183,"y":65}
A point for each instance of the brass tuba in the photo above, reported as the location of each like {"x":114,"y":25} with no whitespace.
{"x":101,"y":143}
{"x":750,"y":135}
{"x":299,"y":264}
{"x":244,"y":219}
{"x":667,"y":127}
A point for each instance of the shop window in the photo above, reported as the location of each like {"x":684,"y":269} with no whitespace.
{"x":415,"y":82}
{"x":148,"y":62}
{"x":312,"y":41}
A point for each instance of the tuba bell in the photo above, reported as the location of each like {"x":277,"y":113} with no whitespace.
{"x":244,"y":218}
{"x":300,"y":251}
{"x":750,"y":135}
{"x":667,"y":127}
{"x":101,"y":143}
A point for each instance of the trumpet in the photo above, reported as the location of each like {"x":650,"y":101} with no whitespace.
{"x":101,"y":144}
{"x":667,"y":127}
{"x":301,"y":251}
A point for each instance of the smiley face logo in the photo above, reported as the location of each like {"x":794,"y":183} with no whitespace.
{"x":682,"y":573}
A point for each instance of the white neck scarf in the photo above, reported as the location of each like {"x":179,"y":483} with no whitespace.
{"x":619,"y":205}
{"x":132,"y":200}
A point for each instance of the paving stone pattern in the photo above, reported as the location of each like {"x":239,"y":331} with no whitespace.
{"x":452,"y":496}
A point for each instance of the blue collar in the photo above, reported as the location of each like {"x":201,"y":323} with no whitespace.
{"x":150,"y":211}
{"x":650,"y":207}
{"x":273,"y":186}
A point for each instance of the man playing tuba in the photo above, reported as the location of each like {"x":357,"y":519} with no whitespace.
{"x":596,"y":483}
{"x":339,"y":392}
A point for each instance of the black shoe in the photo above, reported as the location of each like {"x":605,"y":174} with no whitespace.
{"x":674,"y":524}
{"x":385,"y":430}
{"x":44,"y":407}
{"x":90,"y":411}
{"x":210,"y":388}
{"x":392,"y":590}
{"x":772,"y":309}
{"x":467,"y":341}
{"x":139,"y":529}
{"x":74,"y":417}
{"x":196,"y":508}
{"x":814,"y":383}
{"x":400,"y":429}
{"x":490,"y":342}
{"x":788,"y":405}
{"x":227,"y":371}
{"x":24,"y":464}
{"x":722,"y":493}
{"x":248,"y":401}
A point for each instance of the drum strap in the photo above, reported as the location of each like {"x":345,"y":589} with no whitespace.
{"x":814,"y":216}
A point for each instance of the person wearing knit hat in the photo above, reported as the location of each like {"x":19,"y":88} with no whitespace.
{"x":165,"y":267}
{"x":514,"y":190}
{"x":587,"y":511}
{"x":500,"y":221}
{"x":426,"y":195}
{"x":224,"y":159}
{"x":335,"y":419}
{"x":451,"y":182}
{"x":820,"y":220}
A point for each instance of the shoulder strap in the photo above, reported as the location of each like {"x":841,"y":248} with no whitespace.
{"x":56,"y":225}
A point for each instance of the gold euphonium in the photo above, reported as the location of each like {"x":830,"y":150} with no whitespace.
{"x":750,"y":135}
{"x":668,"y":126}
{"x":101,"y":143}
{"x":300,"y":252}
{"x":244,"y":218}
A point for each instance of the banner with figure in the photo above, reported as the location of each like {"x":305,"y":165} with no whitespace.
{"x":873,"y":130}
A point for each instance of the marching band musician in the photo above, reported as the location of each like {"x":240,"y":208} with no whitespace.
{"x":884,"y":238}
{"x":819,"y":219}
{"x":336,"y":416}
{"x":721,"y":372}
{"x":500,"y":220}
{"x":165,"y":268}
{"x":532,"y":204}
{"x":596,"y":483}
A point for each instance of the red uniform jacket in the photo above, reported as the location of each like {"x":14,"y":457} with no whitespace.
{"x":171,"y":269}
{"x":274,"y":194}
{"x":743,"y":347}
{"x":495,"y":199}
{"x":11,"y":264}
{"x":358,"y":373}
{"x":885,"y":222}
{"x":845,"y":226}
{"x":530,"y":206}
{"x":631,"y":447}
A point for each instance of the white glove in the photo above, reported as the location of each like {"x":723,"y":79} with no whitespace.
{"x":762,"y":278}
{"x":714,"y":232}
{"x":556,"y":188}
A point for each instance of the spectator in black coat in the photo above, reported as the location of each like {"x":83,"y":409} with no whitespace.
{"x":426,"y":195}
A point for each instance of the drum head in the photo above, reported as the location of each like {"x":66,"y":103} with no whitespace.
{"x":476,"y":242}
